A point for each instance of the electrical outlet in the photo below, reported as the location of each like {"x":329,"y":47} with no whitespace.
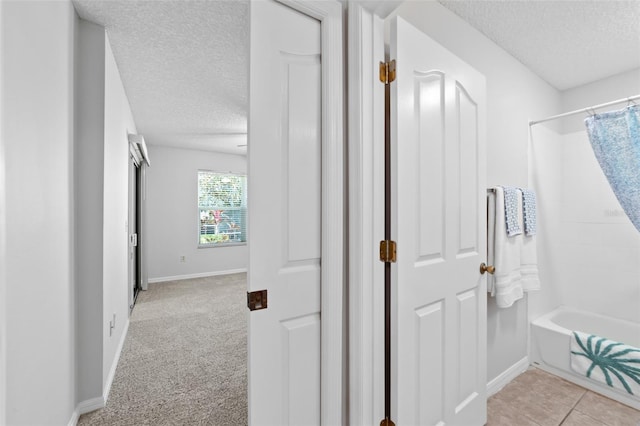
{"x":183,"y":259}
{"x":112,"y":325}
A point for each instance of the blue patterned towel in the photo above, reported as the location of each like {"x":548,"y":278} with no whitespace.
{"x":529,"y":211}
{"x":612,"y":363}
{"x":511,"y":211}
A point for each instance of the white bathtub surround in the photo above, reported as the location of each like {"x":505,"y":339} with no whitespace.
{"x":606,"y":361}
{"x":551,"y":336}
{"x":514,"y":257}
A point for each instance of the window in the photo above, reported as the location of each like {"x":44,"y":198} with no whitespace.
{"x":222,"y":208}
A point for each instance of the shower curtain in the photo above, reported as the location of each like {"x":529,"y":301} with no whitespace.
{"x":615,"y":138}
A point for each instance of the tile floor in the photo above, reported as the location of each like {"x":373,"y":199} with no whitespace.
{"x":537,"y":398}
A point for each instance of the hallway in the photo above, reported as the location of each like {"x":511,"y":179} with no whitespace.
{"x":184,"y":358}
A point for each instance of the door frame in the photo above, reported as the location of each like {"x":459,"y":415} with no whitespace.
{"x":3,"y":251}
{"x":133,"y":265}
{"x":366,"y":119}
{"x":366,"y":105}
{"x":333,"y":265}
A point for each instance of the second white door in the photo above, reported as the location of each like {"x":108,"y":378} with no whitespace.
{"x":438,"y":220}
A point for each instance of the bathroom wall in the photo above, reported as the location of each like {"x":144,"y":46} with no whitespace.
{"x":514,"y":96}
{"x":172,"y":197}
{"x":608,"y":89}
{"x":594,"y":251}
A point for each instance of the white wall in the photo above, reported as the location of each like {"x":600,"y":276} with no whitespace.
{"x":595,"y":251}
{"x":37,"y":120}
{"x":118,"y":123}
{"x":3,"y":242}
{"x":514,"y":96}
{"x":172,"y":199}
{"x":103,"y":120}
{"x":89,"y":207}
{"x":608,"y":89}
{"x":65,"y":119}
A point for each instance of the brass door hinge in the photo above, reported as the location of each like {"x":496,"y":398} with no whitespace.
{"x":388,"y":251}
{"x":257,"y":300}
{"x":388,"y":71}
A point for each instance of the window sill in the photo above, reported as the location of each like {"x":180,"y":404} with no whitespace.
{"x":221,"y":245}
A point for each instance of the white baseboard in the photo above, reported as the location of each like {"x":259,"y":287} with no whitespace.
{"x":74,"y":418}
{"x":199,"y":275}
{"x":495,"y":385}
{"x":86,"y":407}
{"x":100,"y":402}
{"x":114,"y":364}
{"x":93,"y":404}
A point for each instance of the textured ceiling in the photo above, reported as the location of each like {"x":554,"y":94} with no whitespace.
{"x":184,"y":63}
{"x":567,"y":43}
{"x":184,"y":66}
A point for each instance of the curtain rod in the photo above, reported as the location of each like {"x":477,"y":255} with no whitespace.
{"x":589,"y":109}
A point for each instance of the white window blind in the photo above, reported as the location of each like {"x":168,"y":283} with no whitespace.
{"x":222,"y":208}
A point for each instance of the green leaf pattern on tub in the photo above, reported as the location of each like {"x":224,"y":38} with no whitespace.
{"x":612,"y":363}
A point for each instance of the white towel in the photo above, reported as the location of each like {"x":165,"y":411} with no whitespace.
{"x":529,"y":264}
{"x":515,"y":258}
{"x":506,"y":283}
{"x":529,"y":254}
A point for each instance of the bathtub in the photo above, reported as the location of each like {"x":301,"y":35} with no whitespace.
{"x":551,"y":339}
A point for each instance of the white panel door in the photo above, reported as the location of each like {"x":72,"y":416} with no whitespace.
{"x":284,"y":215}
{"x":439,"y":221}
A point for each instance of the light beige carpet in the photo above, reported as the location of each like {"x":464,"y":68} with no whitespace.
{"x":184,"y":357}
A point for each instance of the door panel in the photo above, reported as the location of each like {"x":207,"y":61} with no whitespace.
{"x":301,"y":149}
{"x":430,"y":363}
{"x":284,"y":195}
{"x":467,"y":141}
{"x":438,"y":220}
{"x":301,"y":349}
{"x":429,"y":93}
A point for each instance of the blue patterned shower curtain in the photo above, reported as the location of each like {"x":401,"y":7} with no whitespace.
{"x":615,"y":138}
